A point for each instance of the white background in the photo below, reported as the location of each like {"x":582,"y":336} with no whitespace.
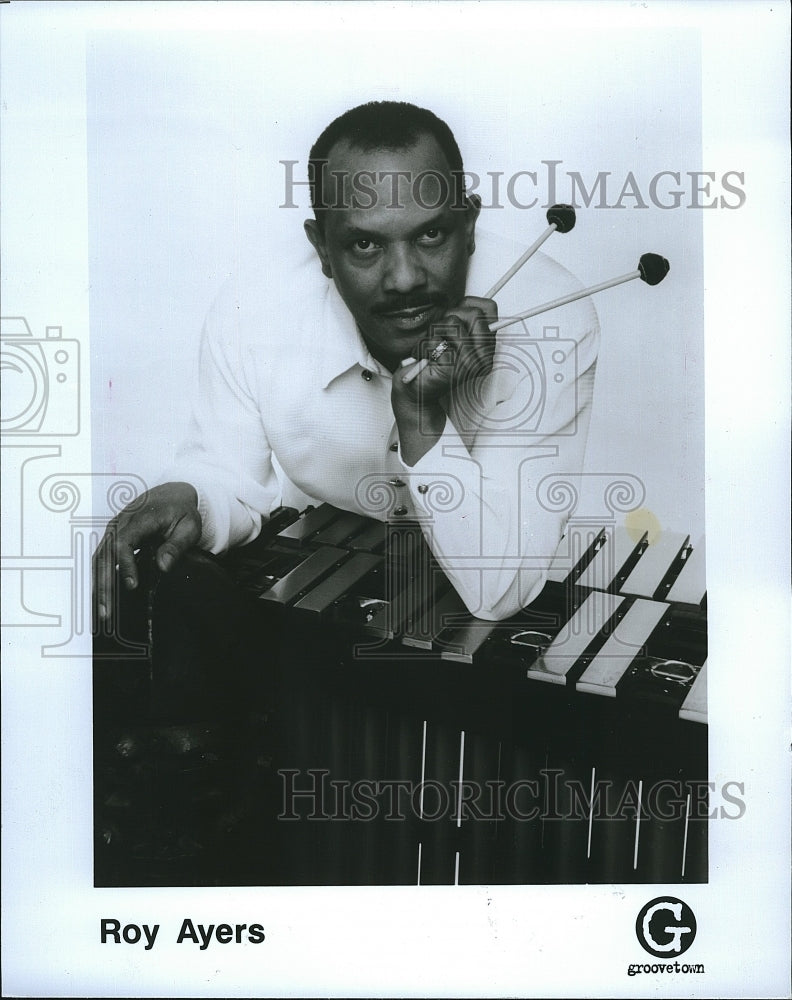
{"x":184,"y":179}
{"x":186,"y":132}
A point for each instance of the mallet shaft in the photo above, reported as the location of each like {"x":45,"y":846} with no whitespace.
{"x":573,"y":297}
{"x":519,"y":263}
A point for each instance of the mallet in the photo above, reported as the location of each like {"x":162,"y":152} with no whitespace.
{"x":652,"y":268}
{"x":560,"y":218}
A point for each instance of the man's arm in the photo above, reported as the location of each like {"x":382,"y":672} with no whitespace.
{"x":222,"y":482}
{"x":492,"y":533}
{"x":226,"y":453}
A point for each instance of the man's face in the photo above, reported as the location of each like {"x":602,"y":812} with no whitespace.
{"x":396,"y":249}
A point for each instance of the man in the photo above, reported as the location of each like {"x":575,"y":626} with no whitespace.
{"x":380,"y":390}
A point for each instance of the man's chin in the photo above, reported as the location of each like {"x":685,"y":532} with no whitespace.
{"x":411,"y":348}
{"x":390,"y":340}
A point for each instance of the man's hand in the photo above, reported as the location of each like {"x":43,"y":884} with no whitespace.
{"x":168,"y":514}
{"x":471,"y":349}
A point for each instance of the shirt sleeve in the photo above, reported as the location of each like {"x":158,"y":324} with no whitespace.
{"x":226,"y":455}
{"x":487,"y":493}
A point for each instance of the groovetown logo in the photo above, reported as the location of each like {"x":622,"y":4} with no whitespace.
{"x":666,"y":928}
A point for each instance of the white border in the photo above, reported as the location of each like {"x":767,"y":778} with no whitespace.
{"x":560,"y":941}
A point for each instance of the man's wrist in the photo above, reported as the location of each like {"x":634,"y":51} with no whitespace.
{"x":419,"y":431}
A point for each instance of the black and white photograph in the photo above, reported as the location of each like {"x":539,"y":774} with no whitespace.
{"x":388,"y":450}
{"x":427,"y":636}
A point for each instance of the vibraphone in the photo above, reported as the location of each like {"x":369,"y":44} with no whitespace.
{"x":419,"y":744}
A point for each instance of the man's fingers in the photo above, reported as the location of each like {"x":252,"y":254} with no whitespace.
{"x":475,"y":342}
{"x":127,"y":567}
{"x":183,"y":535}
{"x":469,"y":324}
{"x":104,"y":575}
{"x":167,"y":514}
{"x":115,"y":550}
{"x":488,"y":308}
{"x":460,"y":348}
{"x":114,"y":558}
{"x":474,"y":315}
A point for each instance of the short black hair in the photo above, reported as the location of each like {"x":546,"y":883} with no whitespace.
{"x":393,"y":125}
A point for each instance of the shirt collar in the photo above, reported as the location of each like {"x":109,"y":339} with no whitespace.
{"x":342,"y":346}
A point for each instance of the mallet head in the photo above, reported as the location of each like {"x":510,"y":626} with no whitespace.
{"x":653,"y":268}
{"x":563,"y":216}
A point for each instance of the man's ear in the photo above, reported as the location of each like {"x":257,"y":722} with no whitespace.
{"x":316,"y":238}
{"x":473,"y":208}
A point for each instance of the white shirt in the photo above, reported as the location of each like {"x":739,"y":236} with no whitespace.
{"x":289,"y":407}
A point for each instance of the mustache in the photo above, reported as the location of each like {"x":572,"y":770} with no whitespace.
{"x":411,"y":301}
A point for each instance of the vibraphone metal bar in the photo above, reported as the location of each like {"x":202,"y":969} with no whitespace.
{"x":441,"y":700}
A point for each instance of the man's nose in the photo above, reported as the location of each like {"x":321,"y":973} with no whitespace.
{"x":404,"y":270}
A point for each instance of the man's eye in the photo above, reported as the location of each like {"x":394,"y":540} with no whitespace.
{"x":364,"y":246}
{"x":433,"y":236}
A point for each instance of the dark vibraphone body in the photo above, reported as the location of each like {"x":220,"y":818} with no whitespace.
{"x":420,"y":745}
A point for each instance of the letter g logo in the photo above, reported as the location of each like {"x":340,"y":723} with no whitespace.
{"x":665,"y":927}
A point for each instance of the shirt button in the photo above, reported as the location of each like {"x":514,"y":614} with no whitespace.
{"x":423,"y":488}
{"x":396,"y":482}
{"x":399,"y":511}
{"x":394,"y":446}
{"x":366,"y":374}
